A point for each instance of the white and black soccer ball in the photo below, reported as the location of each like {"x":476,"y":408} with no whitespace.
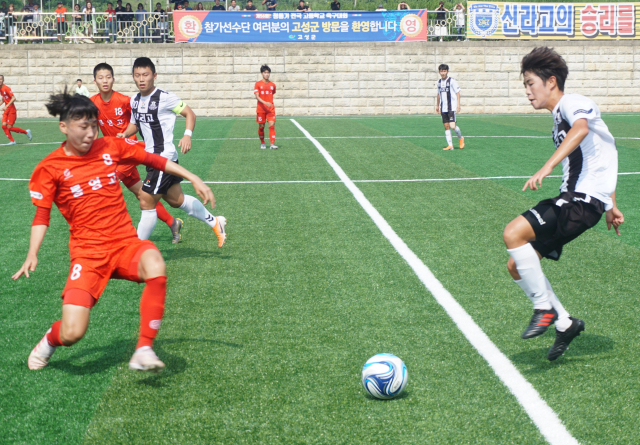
{"x":384,"y":376}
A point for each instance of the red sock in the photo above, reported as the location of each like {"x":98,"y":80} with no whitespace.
{"x":8,"y":133}
{"x":261,"y":134}
{"x":17,"y":130}
{"x":272,"y":134}
{"x":151,"y":309}
{"x":53,"y":336}
{"x":163,"y":214}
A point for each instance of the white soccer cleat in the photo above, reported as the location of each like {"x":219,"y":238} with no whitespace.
{"x":39,"y":357}
{"x":218,"y":229}
{"x":273,"y":147}
{"x":11,"y":143}
{"x":263,"y":146}
{"x":29,"y":134}
{"x":145,"y":360}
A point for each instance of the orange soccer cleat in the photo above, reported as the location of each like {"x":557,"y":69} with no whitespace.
{"x":218,"y":229}
{"x":461,"y":141}
{"x":448,"y":147}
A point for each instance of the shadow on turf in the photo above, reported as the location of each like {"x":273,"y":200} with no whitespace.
{"x":188,"y":252}
{"x":98,"y":359}
{"x":586,"y":345}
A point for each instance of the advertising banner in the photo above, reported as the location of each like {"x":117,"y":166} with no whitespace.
{"x":548,"y":21}
{"x":325,"y":26}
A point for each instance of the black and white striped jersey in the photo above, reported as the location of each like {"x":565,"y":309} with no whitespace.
{"x":592,"y":168}
{"x":155,"y":116}
{"x":447,"y":90}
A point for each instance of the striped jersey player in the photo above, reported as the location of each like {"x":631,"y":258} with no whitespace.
{"x":448,"y":104}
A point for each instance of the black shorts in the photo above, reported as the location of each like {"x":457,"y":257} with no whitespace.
{"x":158,"y":182}
{"x":562,"y":219}
{"x":448,"y":116}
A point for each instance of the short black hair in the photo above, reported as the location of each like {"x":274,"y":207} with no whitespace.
{"x":264,"y":68}
{"x":545,"y":62}
{"x":102,"y":66}
{"x":71,"y":106}
{"x":144,"y":62}
{"x":2,"y":75}
{"x":79,"y":80}
{"x":443,"y":66}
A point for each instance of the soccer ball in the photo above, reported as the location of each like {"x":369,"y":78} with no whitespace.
{"x":384,"y":376}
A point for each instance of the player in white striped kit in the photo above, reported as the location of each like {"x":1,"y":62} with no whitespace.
{"x":448,"y":105}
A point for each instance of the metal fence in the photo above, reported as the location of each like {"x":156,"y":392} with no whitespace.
{"x":147,"y":27}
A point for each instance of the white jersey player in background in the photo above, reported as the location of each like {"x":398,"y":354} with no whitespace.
{"x":154,"y":113}
{"x":448,"y":104}
{"x":589,"y":159}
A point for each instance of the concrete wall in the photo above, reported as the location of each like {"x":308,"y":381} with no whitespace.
{"x":329,"y":79}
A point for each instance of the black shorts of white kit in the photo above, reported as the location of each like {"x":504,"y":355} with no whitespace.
{"x":158,"y":182}
{"x":448,"y":116}
{"x":562,"y":219}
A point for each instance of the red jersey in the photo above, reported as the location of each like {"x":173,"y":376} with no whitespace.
{"x":7,"y":94}
{"x":87,"y":192}
{"x":266,"y":92}
{"x":113,"y":116}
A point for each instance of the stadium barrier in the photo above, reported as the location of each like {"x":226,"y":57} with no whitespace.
{"x":153,"y":28}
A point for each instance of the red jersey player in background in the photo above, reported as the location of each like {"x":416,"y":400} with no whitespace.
{"x":264,"y":91}
{"x":80,"y":177}
{"x":114,"y":114}
{"x":10,"y":113}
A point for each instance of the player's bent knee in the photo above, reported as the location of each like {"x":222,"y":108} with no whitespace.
{"x":151,"y":265}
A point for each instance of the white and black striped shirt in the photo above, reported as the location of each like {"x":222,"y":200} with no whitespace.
{"x":447,"y":90}
{"x":155,"y":116}
{"x":592,"y":168}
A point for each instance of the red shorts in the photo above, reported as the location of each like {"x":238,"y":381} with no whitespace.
{"x":266,"y":117}
{"x":9,"y":116}
{"x":128,"y":174}
{"x":93,"y":274}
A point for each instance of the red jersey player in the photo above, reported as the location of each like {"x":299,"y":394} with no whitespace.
{"x":264,"y":91}
{"x":80,"y":177}
{"x":114,"y":114}
{"x":10,"y":113}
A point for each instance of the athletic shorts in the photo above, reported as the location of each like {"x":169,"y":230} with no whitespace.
{"x":128,"y":174}
{"x":562,"y":219}
{"x":266,"y":117}
{"x":448,"y":116}
{"x":158,"y":182}
{"x":9,"y":116}
{"x":92,"y":274}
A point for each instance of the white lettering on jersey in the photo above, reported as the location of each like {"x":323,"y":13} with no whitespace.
{"x":35,"y":195}
{"x":95,"y":184}
{"x":76,"y":190}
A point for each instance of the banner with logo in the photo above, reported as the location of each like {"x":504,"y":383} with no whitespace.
{"x":544,"y":21}
{"x":329,"y":26}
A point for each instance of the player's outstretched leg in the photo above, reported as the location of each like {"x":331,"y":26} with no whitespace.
{"x":460,"y":138}
{"x":6,"y":130}
{"x":194,"y":208}
{"x":272,"y":137}
{"x":261,"y":136}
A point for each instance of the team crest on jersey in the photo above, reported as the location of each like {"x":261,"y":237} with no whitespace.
{"x":153,"y":106}
{"x":483,"y":19}
{"x":35,"y":195}
{"x":130,"y":141}
{"x":67,"y":174}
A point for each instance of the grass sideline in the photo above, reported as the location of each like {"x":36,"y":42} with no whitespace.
{"x":264,"y":339}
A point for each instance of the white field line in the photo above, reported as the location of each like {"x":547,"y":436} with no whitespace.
{"x":368,"y":180}
{"x":542,"y":415}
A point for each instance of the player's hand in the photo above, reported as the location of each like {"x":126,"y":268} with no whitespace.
{"x":458,"y":109}
{"x":437,"y":109}
{"x":120,"y":135}
{"x":614,"y":218}
{"x":535,"y":182}
{"x":204,"y":192}
{"x":29,"y":266}
{"x":185,"y":144}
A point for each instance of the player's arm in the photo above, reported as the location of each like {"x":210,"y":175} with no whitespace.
{"x":438,"y":103}
{"x":185,"y":142}
{"x":614,"y":216}
{"x":458,"y":97}
{"x":263,"y":102}
{"x":130,"y":131}
{"x":578,"y":132}
{"x":38,"y":231}
{"x":11,"y":101}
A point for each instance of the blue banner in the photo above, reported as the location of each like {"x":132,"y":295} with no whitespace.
{"x":325,"y":26}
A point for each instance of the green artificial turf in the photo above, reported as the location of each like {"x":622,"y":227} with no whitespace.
{"x":264,"y":339}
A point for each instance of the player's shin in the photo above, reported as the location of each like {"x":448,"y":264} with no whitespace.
{"x":447,"y":133}
{"x":18,"y":130}
{"x":563,"y":322}
{"x":163,"y":215}
{"x":148,"y":220}
{"x":8,"y":133}
{"x":533,"y":281}
{"x":458,"y":132}
{"x":151,"y":310}
{"x":272,"y":134}
{"x":194,"y":208}
{"x":261,"y":134}
{"x":53,"y":335}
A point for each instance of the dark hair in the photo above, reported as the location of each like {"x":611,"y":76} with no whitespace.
{"x":443,"y":66}
{"x":544,"y":62}
{"x":2,"y":75}
{"x":144,"y":62}
{"x":264,"y":68}
{"x":102,"y":66}
{"x":79,"y":80}
{"x":71,"y":106}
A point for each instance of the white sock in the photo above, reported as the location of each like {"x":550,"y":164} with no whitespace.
{"x":531,"y":275}
{"x":194,"y":208}
{"x":563,"y":322}
{"x":147,"y":222}
{"x":447,"y":133}
{"x":458,"y":132}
